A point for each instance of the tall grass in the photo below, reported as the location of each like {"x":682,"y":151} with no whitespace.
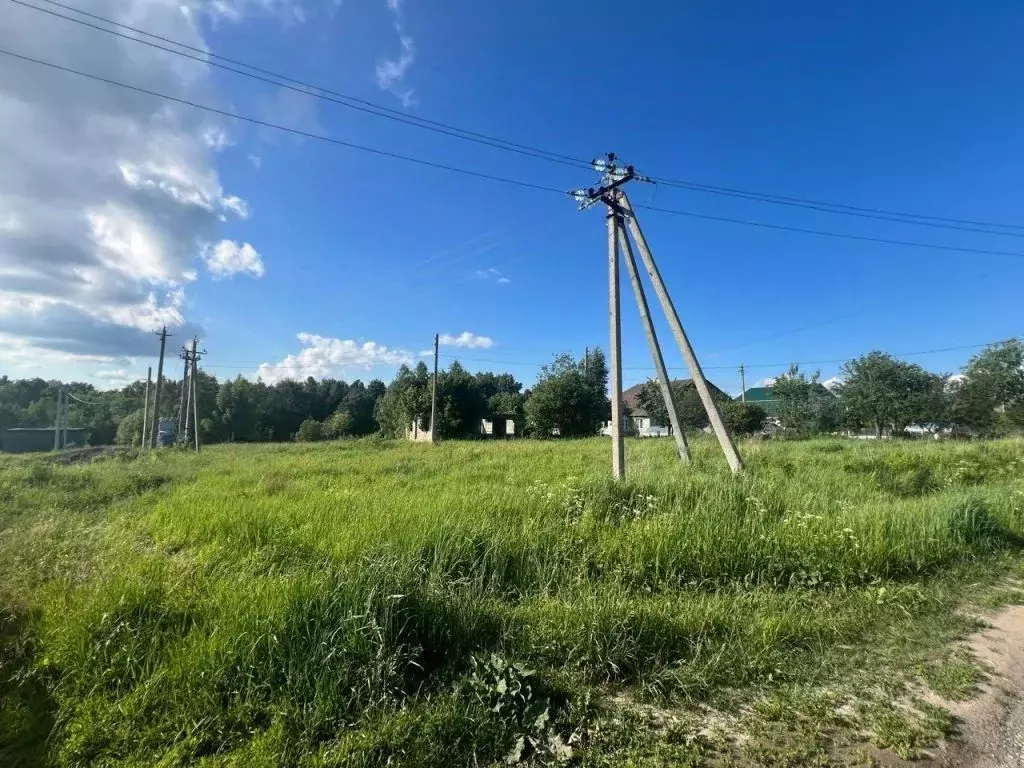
{"x":330,"y":604}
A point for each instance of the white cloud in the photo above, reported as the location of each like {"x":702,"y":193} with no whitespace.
{"x":833,"y":383}
{"x":323,"y":357}
{"x":392,"y":71}
{"x":106,"y":194}
{"x":767,"y":382}
{"x":491,"y":274}
{"x":256,"y":161}
{"x":466,"y":340}
{"x":228,"y":258}
{"x":217,"y":139}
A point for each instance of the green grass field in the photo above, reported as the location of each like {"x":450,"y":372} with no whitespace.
{"x":375,"y":603}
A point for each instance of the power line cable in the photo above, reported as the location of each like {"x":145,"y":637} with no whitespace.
{"x":841,"y":207}
{"x":732,"y":367}
{"x":71,"y":394}
{"x":827,"y":233}
{"x":266,"y":124}
{"x":489,"y":177}
{"x":346,"y":100}
{"x":320,"y":92}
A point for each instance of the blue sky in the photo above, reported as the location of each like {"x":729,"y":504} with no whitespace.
{"x":909,"y":107}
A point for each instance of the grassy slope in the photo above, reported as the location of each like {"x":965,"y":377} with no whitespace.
{"x":355,"y":603}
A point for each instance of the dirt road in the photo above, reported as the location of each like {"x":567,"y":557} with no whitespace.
{"x":991,"y":726}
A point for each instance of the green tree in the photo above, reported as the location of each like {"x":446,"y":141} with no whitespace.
{"x":990,"y":397}
{"x":689,"y":407}
{"x":569,"y":397}
{"x":804,"y":406}
{"x":338,"y":424}
{"x":129,"y":430}
{"x":744,"y":418}
{"x":310,"y":431}
{"x":885,"y":393}
{"x":460,"y":405}
{"x":407,"y":399}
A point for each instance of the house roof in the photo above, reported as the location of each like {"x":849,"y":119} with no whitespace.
{"x":765,"y":397}
{"x":629,"y":396}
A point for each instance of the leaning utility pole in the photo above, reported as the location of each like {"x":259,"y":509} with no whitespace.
{"x":194,"y":381}
{"x":145,"y":408}
{"x":610,"y":192}
{"x":433,"y":393}
{"x":743,"y":383}
{"x":155,"y":418}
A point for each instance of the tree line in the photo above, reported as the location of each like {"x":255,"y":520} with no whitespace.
{"x":569,"y":399}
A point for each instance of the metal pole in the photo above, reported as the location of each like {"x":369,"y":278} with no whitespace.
{"x":743,"y":383}
{"x":155,"y":419}
{"x":194,"y":379}
{"x":615,"y":327}
{"x":145,"y":408}
{"x":664,"y":382}
{"x":56,"y":423}
{"x":433,"y":394}
{"x":717,"y":424}
{"x":64,"y":427}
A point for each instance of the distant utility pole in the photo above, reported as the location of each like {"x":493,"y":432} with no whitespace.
{"x":743,"y":383}
{"x":433,"y":393}
{"x":155,"y":418}
{"x":145,"y":407}
{"x":191,"y":403}
{"x":56,"y":423}
{"x":184,"y":383}
{"x":620,"y":217}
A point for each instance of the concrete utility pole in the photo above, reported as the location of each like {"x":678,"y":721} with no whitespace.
{"x":732,"y":456}
{"x":613,"y":177}
{"x":433,"y":393}
{"x":664,"y":382}
{"x":194,"y":381}
{"x":615,"y":327}
{"x":155,"y":419}
{"x":184,"y":383}
{"x":56,"y":423}
{"x":743,"y":383}
{"x":145,"y":407}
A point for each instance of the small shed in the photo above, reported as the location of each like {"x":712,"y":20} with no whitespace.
{"x":37,"y":439}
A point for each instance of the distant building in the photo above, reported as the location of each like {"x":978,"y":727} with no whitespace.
{"x":37,"y":439}
{"x":640,"y":423}
{"x":765,"y":397}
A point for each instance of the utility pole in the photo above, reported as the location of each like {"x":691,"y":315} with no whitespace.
{"x":184,"y":383}
{"x":155,"y":419}
{"x":615,"y":329}
{"x":194,"y":379}
{"x":610,"y":192}
{"x":664,"y":382}
{"x":56,"y":423}
{"x":145,"y":407}
{"x":187,"y":354}
{"x":433,"y":393}
{"x":743,"y":383}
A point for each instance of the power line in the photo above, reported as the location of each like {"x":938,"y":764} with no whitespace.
{"x":487,"y":176}
{"x":352,"y":102}
{"x":732,"y":367}
{"x":71,"y":394}
{"x":326,"y":94}
{"x":842,"y":208}
{"x":265,"y":124}
{"x":827,"y":233}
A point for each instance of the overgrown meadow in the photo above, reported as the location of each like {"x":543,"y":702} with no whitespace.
{"x":371,"y":603}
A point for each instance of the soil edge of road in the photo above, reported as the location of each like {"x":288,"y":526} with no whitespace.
{"x":990,"y":726}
